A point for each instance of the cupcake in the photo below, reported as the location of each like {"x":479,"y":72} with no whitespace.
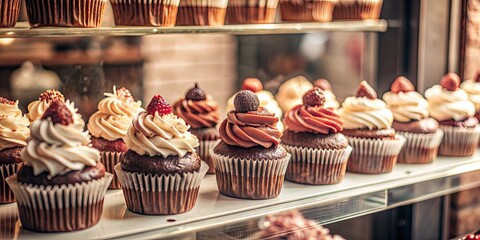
{"x":38,"y":107}
{"x":249,"y":12}
{"x":14,"y":132}
{"x":367,"y":123}
{"x":109,"y":126}
{"x":412,"y":121}
{"x":330,"y":98}
{"x":161,"y":172}
{"x":62,"y":184}
{"x":307,"y":10}
{"x":201,"y":113}
{"x":312,"y":136}
{"x":472,"y":87}
{"x":9,"y":12}
{"x":291,"y":92}
{"x":357,"y":9}
{"x":449,"y":105}
{"x":265,"y":97}
{"x":202,"y":12}
{"x":249,"y":161}
{"x":162,"y":13}
{"x":67,"y":13}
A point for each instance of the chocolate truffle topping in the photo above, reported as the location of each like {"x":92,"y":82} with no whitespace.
{"x":402,"y":84}
{"x":246,"y":101}
{"x":59,"y":113}
{"x":314,"y":97}
{"x":365,"y":90}
{"x":196,"y":94}
{"x":450,"y":82}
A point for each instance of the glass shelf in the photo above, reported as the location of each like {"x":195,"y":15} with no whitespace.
{"x":23,"y":30}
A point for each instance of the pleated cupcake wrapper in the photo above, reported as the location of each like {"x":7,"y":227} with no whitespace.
{"x":160,"y":194}
{"x":204,"y":153}
{"x":205,"y":3}
{"x":459,"y":141}
{"x":374,"y":156}
{"x":357,"y":10}
{"x":60,"y":208}
{"x":301,"y":11}
{"x":250,"y":178}
{"x":420,"y":148}
{"x":7,"y":170}
{"x":145,"y":12}
{"x":9,"y":11}
{"x":254,"y":3}
{"x":109,"y":160}
{"x":251,"y":12}
{"x":317,"y":166}
{"x":8,"y":222}
{"x":62,"y":13}
{"x":202,"y":13}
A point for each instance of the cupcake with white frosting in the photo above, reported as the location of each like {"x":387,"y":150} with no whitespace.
{"x":38,"y":107}
{"x":472,"y":87}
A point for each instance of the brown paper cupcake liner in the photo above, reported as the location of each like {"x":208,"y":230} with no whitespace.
{"x":358,"y":10}
{"x":7,"y":170}
{"x":374,"y":156}
{"x":251,"y":12}
{"x":8,"y":223}
{"x":109,"y":160}
{"x":60,"y":208}
{"x":459,"y":141}
{"x":160,"y":194}
{"x":9,"y":11}
{"x":204,"y":153}
{"x":307,"y":11}
{"x":420,"y":148}
{"x":202,"y":12}
{"x":61,"y":13}
{"x":249,"y":178}
{"x":162,"y":13}
{"x":317,"y":166}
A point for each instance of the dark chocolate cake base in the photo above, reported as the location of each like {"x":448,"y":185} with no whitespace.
{"x":313,"y":140}
{"x":132,"y":162}
{"x":25,"y":175}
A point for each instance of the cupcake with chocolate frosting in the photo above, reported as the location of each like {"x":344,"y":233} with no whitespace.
{"x":14,"y":132}
{"x":472,"y":87}
{"x":412,"y":120}
{"x":38,"y":107}
{"x":59,"y":163}
{"x":319,"y":151}
{"x":161,"y":172}
{"x":450,"y":106}
{"x":367,"y":123}
{"x":109,"y":126}
{"x":201,"y":113}
{"x":249,"y":161}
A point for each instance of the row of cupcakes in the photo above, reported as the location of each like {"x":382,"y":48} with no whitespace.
{"x":185,"y":12}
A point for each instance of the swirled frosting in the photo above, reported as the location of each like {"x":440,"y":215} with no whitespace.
{"x":330,"y":99}
{"x":250,"y":129}
{"x":114,"y":116}
{"x":165,"y":135}
{"x":198,"y":114}
{"x":316,"y":119}
{"x":364,"y":113}
{"x":38,"y":107}
{"x":473,"y":90}
{"x":14,"y":129}
{"x":290,"y":93}
{"x":406,"y":106}
{"x":444,"y":105}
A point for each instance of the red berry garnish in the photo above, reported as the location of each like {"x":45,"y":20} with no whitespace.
{"x":314,"y":97}
{"x":469,"y":237}
{"x":477,"y":77}
{"x":124,"y":93}
{"x":365,"y":90}
{"x":58,"y":112}
{"x":450,"y":81}
{"x":323,"y":84}
{"x":6,"y":101}
{"x":51,"y":95}
{"x":252,"y":84}
{"x":402,"y":84}
{"x":160,"y":105}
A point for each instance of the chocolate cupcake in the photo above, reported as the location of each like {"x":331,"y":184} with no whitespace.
{"x":249,"y":161}
{"x":307,"y":10}
{"x":319,"y":151}
{"x":449,"y":105}
{"x":201,"y":113}
{"x":58,"y":163}
{"x":109,"y":126}
{"x":162,"y":13}
{"x":38,"y":107}
{"x":412,"y":121}
{"x":357,"y":9}
{"x":9,"y":11}
{"x":202,"y":12}
{"x":66,"y":13}
{"x":14,"y":132}
{"x":161,"y":171}
{"x":250,"y":12}
{"x":368,"y":127}
{"x":472,"y":87}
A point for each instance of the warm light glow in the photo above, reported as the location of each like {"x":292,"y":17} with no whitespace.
{"x":6,"y":41}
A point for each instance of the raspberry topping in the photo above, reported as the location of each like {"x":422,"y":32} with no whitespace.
{"x":323,"y":84}
{"x":124,"y":93}
{"x":450,"y":81}
{"x":160,"y":105}
{"x":51,"y":95}
{"x":314,"y":97}
{"x":402,"y":84}
{"x":6,"y":101}
{"x":58,"y":112}
{"x":252,"y":84}
{"x":365,"y":90}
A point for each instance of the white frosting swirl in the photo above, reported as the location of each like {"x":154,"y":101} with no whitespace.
{"x":407,"y":106}
{"x":330,"y":100}
{"x":444,"y":105}
{"x":14,"y":129}
{"x":473,"y":90}
{"x":38,"y":107}
{"x":291,"y":92}
{"x":362,"y":113}
{"x":165,"y":135}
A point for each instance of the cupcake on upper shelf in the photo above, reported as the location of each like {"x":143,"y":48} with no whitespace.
{"x":201,"y":113}
{"x":249,"y":161}
{"x":58,"y":163}
{"x":319,"y":151}
{"x":307,"y":10}
{"x":71,"y":13}
{"x":251,"y":12}
{"x":357,"y":9}
{"x":412,"y":120}
{"x":161,"y":13}
{"x":291,"y":92}
{"x":472,"y":87}
{"x":202,"y":12}
{"x":38,"y":107}
{"x":109,"y":126}
{"x":14,"y":132}
{"x":367,"y":123}
{"x":161,"y":171}
{"x":449,"y":105}
{"x":9,"y":12}
{"x":330,"y":98}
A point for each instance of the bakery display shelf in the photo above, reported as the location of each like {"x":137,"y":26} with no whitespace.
{"x":218,"y":215}
{"x":23,"y":30}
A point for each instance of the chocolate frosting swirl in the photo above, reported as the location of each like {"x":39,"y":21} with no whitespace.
{"x":198,"y":114}
{"x":315,"y":119}
{"x":250,"y":129}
